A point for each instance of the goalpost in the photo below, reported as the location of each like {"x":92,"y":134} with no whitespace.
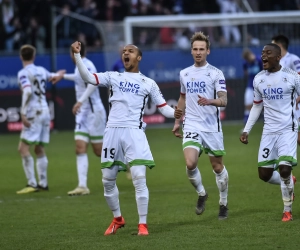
{"x":245,"y":20}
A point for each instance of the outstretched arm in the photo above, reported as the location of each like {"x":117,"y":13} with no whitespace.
{"x":86,"y":75}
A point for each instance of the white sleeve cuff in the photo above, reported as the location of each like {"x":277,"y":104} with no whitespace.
{"x":89,"y":90}
{"x":253,"y":116}
{"x":70,"y":77}
{"x":84,"y":72}
{"x":167,"y":111}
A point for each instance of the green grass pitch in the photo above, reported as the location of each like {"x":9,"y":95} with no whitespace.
{"x":52,"y":220}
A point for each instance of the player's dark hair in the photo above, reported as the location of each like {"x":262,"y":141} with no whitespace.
{"x":82,"y":50}
{"x":199,"y":36}
{"x":27,"y":52}
{"x":275,"y":46}
{"x":283,"y":40}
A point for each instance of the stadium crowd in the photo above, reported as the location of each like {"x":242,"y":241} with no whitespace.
{"x":29,"y":21}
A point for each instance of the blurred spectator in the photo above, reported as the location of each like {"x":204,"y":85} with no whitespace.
{"x":116,"y":10}
{"x":89,"y":9}
{"x":36,"y":35}
{"x":182,"y":38}
{"x":67,"y":27}
{"x":7,"y":29}
{"x":229,"y":7}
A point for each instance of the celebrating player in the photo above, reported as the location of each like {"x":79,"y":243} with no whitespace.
{"x":35,"y":117}
{"x":291,"y":61}
{"x":124,"y":137}
{"x":90,"y":121}
{"x":275,"y":90}
{"x":202,"y":126}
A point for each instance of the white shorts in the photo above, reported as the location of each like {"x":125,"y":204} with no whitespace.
{"x":125,"y":145}
{"x":248,"y":97}
{"x":209,"y":142}
{"x":39,"y":131}
{"x":276,"y":148}
{"x":90,"y":126}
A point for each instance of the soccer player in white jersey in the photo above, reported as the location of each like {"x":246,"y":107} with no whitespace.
{"x":291,"y":61}
{"x":35,"y":117}
{"x":275,"y":91}
{"x":124,"y":138}
{"x":203,"y":92}
{"x":90,"y":121}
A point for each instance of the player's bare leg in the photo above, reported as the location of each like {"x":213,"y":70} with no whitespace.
{"x":28,"y":166}
{"x":222,"y":184}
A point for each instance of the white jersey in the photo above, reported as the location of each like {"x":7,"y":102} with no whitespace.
{"x":205,"y":81}
{"x":277,"y":91}
{"x":36,"y":78}
{"x":94,"y":100}
{"x":291,"y":61}
{"x":129,"y":93}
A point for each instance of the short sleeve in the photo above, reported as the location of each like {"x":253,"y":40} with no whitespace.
{"x":257,"y":97}
{"x":23,"y":79}
{"x":182,"y":87}
{"x":220,"y":83}
{"x":156,"y":96}
{"x":296,"y":64}
{"x":297,"y":84}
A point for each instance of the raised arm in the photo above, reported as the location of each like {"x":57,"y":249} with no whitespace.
{"x":86,"y":75}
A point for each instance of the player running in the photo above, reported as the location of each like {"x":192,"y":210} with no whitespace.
{"x":275,"y":91}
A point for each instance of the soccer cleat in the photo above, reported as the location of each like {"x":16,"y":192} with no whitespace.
{"x":287,"y":216}
{"x":43,"y":188}
{"x":28,"y":189}
{"x":200,"y":207}
{"x":143,"y":230}
{"x":79,"y":191}
{"x":115,"y":225}
{"x":223,"y":212}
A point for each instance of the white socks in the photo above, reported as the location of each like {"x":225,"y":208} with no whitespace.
{"x":41,"y":167}
{"x":275,"y":179}
{"x":142,"y":198}
{"x":222,"y":183}
{"x":82,"y":169}
{"x":111,"y":194}
{"x":195,"y":179}
{"x":28,"y":166}
{"x":287,"y":191}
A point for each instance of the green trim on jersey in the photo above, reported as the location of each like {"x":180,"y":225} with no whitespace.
{"x":206,"y":150}
{"x":267,"y":163}
{"x":34,"y":142}
{"x":147,"y":163}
